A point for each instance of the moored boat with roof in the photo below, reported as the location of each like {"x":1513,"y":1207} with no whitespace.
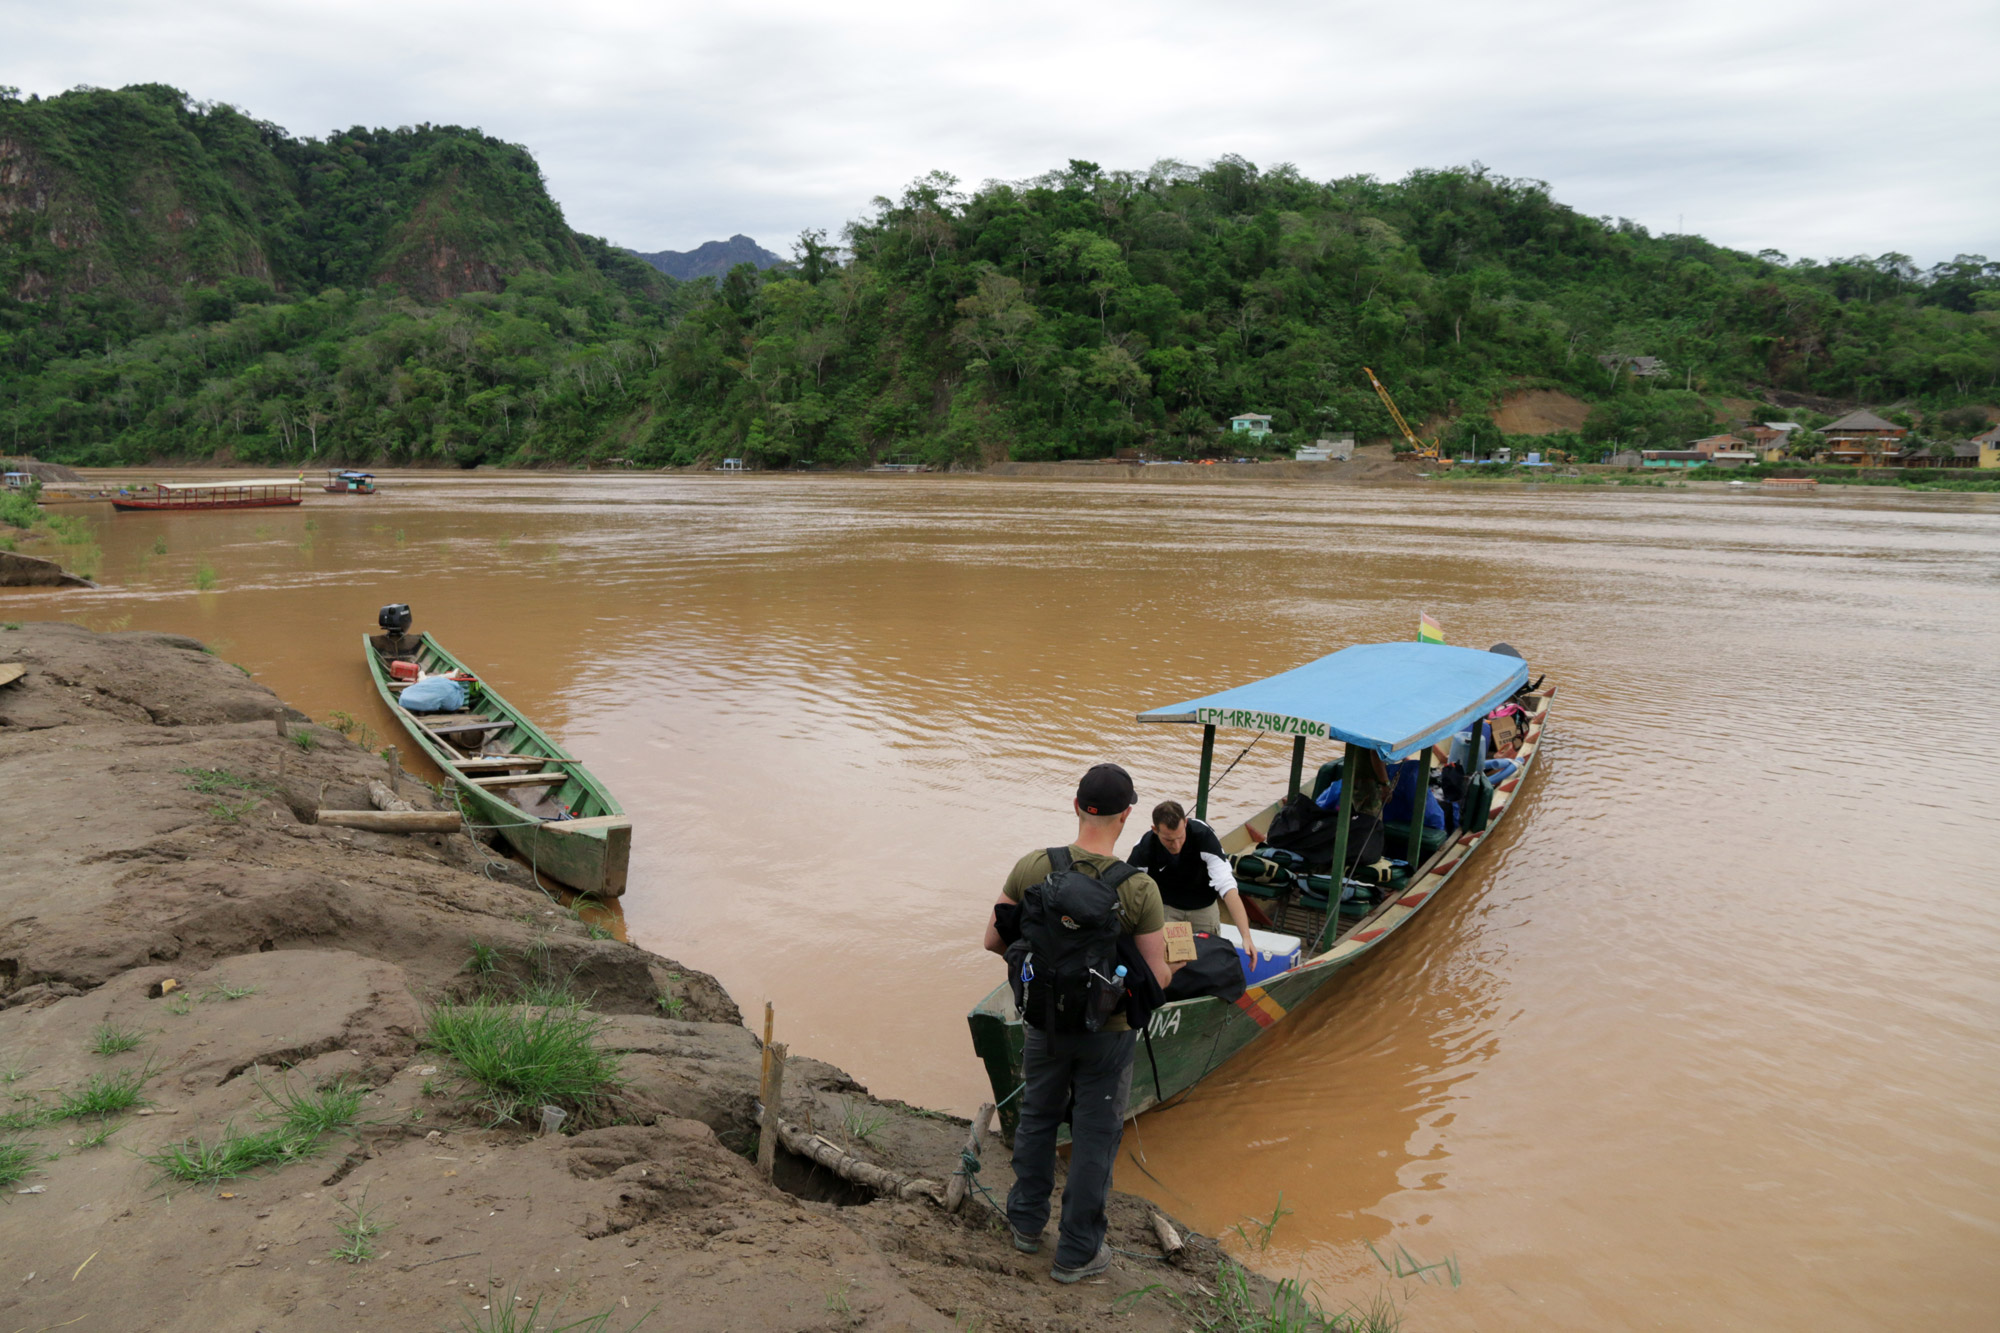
{"x":1394,"y":701}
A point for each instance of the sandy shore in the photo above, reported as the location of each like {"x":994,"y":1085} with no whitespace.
{"x":151,"y":833}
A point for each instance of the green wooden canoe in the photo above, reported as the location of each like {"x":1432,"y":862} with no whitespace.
{"x":511,"y":778}
{"x":1190,"y":1039}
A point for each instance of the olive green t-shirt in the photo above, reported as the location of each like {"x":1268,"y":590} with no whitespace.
{"x":1139,"y":907}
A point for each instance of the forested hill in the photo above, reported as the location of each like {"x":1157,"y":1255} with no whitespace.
{"x":711,"y":259}
{"x":178,"y":280}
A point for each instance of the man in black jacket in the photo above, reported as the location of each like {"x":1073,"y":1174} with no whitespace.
{"x":1184,"y":857}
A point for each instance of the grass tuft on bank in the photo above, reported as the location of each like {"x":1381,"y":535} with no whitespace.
{"x":303,"y":1120}
{"x":1235,"y":1307}
{"x":523,"y":1057}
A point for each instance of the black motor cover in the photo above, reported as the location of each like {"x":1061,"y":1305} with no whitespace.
{"x":394,"y":618}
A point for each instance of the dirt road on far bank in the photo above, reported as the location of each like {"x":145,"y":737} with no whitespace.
{"x":151,"y":833}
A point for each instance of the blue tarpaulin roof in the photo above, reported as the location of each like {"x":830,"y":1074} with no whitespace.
{"x":1392,"y":698}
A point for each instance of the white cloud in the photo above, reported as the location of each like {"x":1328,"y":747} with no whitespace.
{"x":1815,"y":128}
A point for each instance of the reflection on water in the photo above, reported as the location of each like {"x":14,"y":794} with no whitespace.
{"x":1704,"y":1038}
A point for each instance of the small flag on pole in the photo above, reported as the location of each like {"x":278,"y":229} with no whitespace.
{"x":1427,"y":629}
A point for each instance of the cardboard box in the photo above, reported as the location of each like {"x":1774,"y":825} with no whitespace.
{"x":1180,"y":941}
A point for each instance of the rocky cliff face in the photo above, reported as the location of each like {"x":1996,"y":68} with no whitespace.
{"x":142,"y":194}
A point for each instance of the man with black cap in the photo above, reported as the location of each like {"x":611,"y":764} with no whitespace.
{"x":1092,"y":1068}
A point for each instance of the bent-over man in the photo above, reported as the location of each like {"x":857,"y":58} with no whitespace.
{"x":1184,"y":857}
{"x":1092,"y":1067}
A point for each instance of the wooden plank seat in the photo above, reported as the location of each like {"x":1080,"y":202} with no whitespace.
{"x":519,"y":780}
{"x":461,"y":728}
{"x":479,"y":762}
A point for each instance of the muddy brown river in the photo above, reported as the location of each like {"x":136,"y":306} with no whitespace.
{"x":1708,"y":1037}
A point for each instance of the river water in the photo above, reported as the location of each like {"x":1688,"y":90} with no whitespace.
{"x":1705,"y":1038}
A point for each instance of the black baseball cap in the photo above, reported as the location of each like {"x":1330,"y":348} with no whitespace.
{"x":1105,"y":790}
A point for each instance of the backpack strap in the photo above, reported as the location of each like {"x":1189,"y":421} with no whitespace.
{"x":1116,"y":873}
{"x":1059,"y":860}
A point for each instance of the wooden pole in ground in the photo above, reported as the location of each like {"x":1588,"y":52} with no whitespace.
{"x":960,"y":1183}
{"x":395,"y":763}
{"x":770,"y":1018}
{"x":773,"y":1096}
{"x":278,"y":719}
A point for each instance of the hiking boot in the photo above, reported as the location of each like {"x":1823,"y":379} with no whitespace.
{"x":1091,"y":1269}
{"x":1025,"y":1243}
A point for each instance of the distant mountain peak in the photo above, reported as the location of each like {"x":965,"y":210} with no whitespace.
{"x":711,"y":259}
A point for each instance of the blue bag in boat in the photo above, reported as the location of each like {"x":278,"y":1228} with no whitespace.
{"x":434,"y":694}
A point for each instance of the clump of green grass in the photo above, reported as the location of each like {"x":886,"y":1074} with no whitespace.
{"x":12,"y":624}
{"x":1259,"y":1235}
{"x":507,"y":1314}
{"x":222,"y":990}
{"x":670,"y":1005}
{"x":204,"y":576}
{"x":1236,"y":1307}
{"x":159,"y":546}
{"x":305,"y":740}
{"x":103,"y":1095}
{"x":485,"y":960}
{"x":353,"y":728}
{"x":523,"y":1057}
{"x":304,"y":1119}
{"x":96,"y":1138}
{"x":16,"y":1160}
{"x":108,"y":1040}
{"x":210,"y":781}
{"x":358,"y":1232}
{"x":862,"y":1121}
{"x":231,"y":812}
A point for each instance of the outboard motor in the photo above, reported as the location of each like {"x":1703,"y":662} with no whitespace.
{"x":395,"y":643}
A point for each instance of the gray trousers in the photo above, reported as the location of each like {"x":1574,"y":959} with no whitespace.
{"x":1097,"y":1068}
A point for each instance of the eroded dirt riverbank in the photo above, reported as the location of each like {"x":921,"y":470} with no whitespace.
{"x":150,"y":832}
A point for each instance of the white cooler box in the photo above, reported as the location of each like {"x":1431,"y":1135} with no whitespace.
{"x":1275,"y":953}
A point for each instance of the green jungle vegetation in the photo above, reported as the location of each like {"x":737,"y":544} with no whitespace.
{"x":179,"y":280}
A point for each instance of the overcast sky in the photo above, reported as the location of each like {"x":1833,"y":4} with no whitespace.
{"x":1832,"y":127}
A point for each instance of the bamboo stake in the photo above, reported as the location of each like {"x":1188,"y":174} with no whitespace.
{"x":772,"y":1096}
{"x":278,"y":719}
{"x":395,"y":763}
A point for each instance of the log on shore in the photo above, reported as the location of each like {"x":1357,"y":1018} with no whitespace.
{"x":393,"y":821}
{"x":849,"y":1167}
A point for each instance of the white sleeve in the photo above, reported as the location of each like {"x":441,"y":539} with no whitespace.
{"x":1220,"y":877}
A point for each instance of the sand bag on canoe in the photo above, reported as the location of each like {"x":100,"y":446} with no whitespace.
{"x":434,"y":694}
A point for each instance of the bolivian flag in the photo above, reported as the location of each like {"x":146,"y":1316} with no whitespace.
{"x":1428,"y":630}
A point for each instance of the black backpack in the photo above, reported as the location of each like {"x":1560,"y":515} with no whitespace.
{"x":1304,"y":828}
{"x":1062,"y":968}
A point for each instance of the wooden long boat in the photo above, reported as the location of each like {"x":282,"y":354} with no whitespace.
{"x":348,"y":481}
{"x":184,"y":496}
{"x":1397,"y":700}
{"x":510,"y":776}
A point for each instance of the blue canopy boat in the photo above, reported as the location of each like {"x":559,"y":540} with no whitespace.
{"x":1395,"y":701}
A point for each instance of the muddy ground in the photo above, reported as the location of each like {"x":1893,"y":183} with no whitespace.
{"x":156,"y":827}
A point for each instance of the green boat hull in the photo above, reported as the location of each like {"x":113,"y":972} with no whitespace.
{"x":589,"y":853}
{"x":1191,"y":1039}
